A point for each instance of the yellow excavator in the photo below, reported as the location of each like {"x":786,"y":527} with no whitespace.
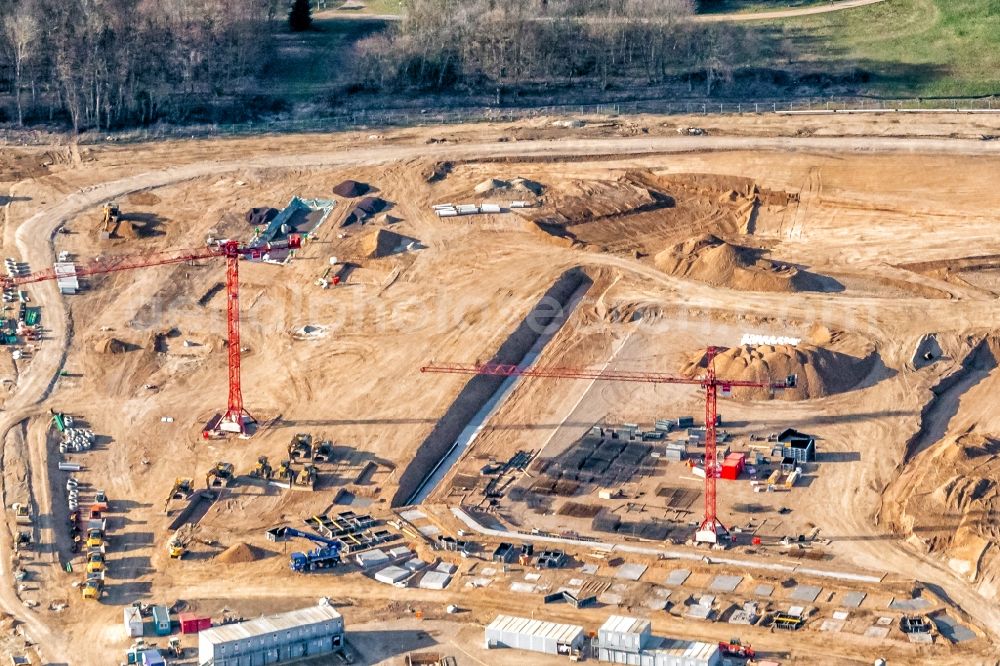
{"x":112,"y":218}
{"x":181,"y":490}
{"x":220,"y":475}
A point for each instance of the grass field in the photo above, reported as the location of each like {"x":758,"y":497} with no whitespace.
{"x":915,"y":47}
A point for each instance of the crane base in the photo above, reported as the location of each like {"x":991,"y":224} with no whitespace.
{"x":712,"y":532}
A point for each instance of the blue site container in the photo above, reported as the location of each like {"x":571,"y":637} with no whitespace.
{"x":161,"y":620}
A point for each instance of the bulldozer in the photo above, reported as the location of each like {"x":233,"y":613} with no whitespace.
{"x":262,"y":470}
{"x":301,"y":447}
{"x":112,"y":219}
{"x":181,"y":490}
{"x":306,"y":478}
{"x":323,"y":451}
{"x":285,"y":471}
{"x":220,"y":475}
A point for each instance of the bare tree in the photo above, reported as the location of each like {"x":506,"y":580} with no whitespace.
{"x":22,"y":31}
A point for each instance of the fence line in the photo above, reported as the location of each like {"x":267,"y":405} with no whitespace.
{"x":378,"y":119}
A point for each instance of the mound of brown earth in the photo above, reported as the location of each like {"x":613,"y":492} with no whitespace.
{"x":382,"y":243}
{"x":113,"y":346}
{"x":240,"y":553}
{"x":642,"y":211}
{"x":143,"y":199}
{"x":825,"y":363}
{"x":707,"y":258}
{"x":945,"y":500}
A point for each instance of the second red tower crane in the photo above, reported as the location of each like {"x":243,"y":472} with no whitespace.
{"x":711,"y":529}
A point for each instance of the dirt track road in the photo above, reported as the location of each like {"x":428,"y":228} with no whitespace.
{"x":833,"y":6}
{"x":35,"y":235}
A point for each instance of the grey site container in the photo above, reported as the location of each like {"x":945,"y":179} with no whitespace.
{"x":534,"y":635}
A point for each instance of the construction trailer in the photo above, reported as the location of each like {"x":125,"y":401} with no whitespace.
{"x":161,"y":621}
{"x":133,"y":622}
{"x":192,"y":623}
{"x":508,"y":631}
{"x":274,"y":639}
{"x":627,"y":640}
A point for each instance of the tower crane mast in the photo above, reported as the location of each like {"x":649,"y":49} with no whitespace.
{"x":236,"y":418}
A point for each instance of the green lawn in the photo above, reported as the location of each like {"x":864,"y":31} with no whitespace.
{"x":915,"y":47}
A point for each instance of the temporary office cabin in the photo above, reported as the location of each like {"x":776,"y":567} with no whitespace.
{"x":666,"y":652}
{"x":153,"y":658}
{"x":274,"y":639}
{"x":133,"y":622}
{"x":161,"y":620}
{"x":622,"y":633}
{"x":521,"y":633}
{"x":192,"y":623}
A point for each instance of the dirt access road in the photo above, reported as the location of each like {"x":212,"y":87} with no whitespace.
{"x":33,"y":237}
{"x":834,"y":6}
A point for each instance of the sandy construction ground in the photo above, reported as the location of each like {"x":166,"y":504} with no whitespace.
{"x":871,"y":238}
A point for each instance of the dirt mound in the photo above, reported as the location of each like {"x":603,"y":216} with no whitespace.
{"x":128,"y":230}
{"x":707,"y":258}
{"x":240,"y":553}
{"x":143,"y":199}
{"x":114,"y":346}
{"x":259,"y":217}
{"x":350,"y":189}
{"x":946,"y":499}
{"x":838,"y":365}
{"x":551,"y":233}
{"x":643,"y":211}
{"x":382,"y":243}
{"x":436,"y":171}
{"x":516,"y":185}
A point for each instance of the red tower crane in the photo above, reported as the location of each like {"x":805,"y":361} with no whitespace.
{"x":711,"y":529}
{"x":236,"y":418}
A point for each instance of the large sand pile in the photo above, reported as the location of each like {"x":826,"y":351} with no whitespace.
{"x":825,"y":363}
{"x":382,"y":243}
{"x":709,"y":259}
{"x":946,"y":500}
{"x":240,"y":553}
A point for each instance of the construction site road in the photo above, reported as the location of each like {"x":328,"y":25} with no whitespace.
{"x":34,"y":241}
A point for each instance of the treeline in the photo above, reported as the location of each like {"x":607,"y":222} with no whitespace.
{"x":505,"y":44}
{"x":108,"y":63}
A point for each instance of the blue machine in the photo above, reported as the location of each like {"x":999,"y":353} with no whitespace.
{"x":325,"y":557}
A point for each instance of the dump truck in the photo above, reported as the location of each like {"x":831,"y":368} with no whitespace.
{"x":301,"y":447}
{"x":95,"y":539}
{"x":95,"y":561}
{"x":93,"y":586}
{"x":22,"y":514}
{"x":323,"y":451}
